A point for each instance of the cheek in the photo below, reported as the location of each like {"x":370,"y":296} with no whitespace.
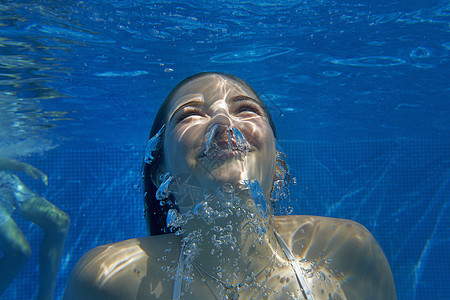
{"x":189,"y":137}
{"x":181,"y":146}
{"x":258,"y":134}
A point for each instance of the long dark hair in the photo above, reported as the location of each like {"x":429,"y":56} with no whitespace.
{"x":155,"y":210}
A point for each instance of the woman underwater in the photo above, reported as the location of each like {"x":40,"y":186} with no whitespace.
{"x":211,"y":170}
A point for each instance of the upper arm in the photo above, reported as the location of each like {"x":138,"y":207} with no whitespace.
{"x":82,"y":283}
{"x":362,"y":261}
{"x":113,"y":271}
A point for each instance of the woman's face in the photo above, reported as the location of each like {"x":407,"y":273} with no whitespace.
{"x":202,"y":136}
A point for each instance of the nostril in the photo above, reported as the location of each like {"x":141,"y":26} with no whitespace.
{"x":217,"y":138}
{"x":221,"y":132}
{"x":223,"y":137}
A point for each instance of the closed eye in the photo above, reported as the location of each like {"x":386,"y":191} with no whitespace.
{"x":248,"y":107}
{"x":186,"y":113}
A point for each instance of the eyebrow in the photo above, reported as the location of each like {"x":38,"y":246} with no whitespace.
{"x":196,"y":102}
{"x":245,"y":98}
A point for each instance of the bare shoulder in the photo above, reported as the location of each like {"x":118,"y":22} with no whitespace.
{"x":307,"y":228}
{"x":286,"y":222}
{"x":120,"y":270}
{"x":343,"y":248}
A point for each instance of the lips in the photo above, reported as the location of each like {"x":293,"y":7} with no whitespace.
{"x":218,"y":149}
{"x":223,"y":149}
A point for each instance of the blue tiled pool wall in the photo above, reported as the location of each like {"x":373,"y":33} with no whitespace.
{"x":399,"y":189}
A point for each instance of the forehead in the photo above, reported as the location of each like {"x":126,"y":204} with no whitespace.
{"x":211,"y":87}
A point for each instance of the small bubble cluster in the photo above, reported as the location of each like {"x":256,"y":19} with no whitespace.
{"x":153,"y":146}
{"x":222,"y":234}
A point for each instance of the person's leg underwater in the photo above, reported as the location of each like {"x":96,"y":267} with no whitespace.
{"x":56,"y":223}
{"x":16,"y":252}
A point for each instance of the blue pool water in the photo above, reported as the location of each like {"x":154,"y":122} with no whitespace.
{"x":359,"y":91}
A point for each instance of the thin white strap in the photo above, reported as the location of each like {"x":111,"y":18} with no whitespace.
{"x":179,"y":276}
{"x":298,"y":273}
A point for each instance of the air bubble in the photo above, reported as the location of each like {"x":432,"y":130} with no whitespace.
{"x":420,"y":52}
{"x":153,"y":145}
{"x":163,"y":191}
{"x":320,"y":275}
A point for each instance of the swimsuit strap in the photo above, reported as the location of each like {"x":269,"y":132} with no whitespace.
{"x":295,"y":265}
{"x":298,"y":273}
{"x":179,"y":276}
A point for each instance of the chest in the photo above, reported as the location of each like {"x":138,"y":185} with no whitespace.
{"x":281,"y":283}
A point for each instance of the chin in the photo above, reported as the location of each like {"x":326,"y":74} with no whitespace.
{"x":216,"y":175}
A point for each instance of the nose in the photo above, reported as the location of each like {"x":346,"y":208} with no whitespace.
{"x":219,"y":130}
{"x":221,"y":119}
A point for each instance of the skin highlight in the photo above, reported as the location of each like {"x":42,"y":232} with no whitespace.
{"x":343,"y":258}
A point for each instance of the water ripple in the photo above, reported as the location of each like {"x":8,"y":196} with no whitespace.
{"x":253,"y":54}
{"x":370,"y":61}
{"x":121,"y":74}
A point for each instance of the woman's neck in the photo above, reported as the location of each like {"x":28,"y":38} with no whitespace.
{"x":233,"y":244}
